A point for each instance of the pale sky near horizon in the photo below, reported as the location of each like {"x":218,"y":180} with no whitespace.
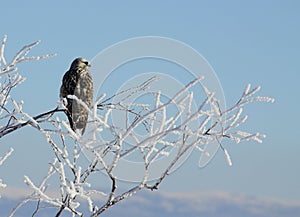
{"x":256,"y":42}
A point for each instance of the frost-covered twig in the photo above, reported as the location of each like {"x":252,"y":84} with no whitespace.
{"x":13,"y":126}
{"x":187,"y":128}
{"x":2,"y":159}
{"x":21,"y":56}
{"x":12,"y":116}
{"x":235,"y":120}
{"x":168,"y":133}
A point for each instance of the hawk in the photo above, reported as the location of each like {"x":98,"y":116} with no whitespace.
{"x":77,"y":81}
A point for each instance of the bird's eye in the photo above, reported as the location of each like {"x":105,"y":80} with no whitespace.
{"x":86,"y":62}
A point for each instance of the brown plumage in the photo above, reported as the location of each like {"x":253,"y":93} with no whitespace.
{"x":78,"y":81}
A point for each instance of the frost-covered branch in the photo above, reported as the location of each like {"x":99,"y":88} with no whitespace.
{"x":12,"y":116}
{"x":146,"y":133}
{"x":21,"y":56}
{"x":2,"y":159}
{"x":170,"y":136}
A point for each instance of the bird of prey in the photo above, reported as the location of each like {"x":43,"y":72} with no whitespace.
{"x":77,"y":81}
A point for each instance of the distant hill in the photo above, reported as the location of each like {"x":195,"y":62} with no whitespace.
{"x":155,"y":204}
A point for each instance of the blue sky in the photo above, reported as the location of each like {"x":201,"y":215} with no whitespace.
{"x":256,"y":42}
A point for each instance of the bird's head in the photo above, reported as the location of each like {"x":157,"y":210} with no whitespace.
{"x":80,"y":63}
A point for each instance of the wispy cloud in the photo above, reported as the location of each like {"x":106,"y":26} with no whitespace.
{"x":208,"y":204}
